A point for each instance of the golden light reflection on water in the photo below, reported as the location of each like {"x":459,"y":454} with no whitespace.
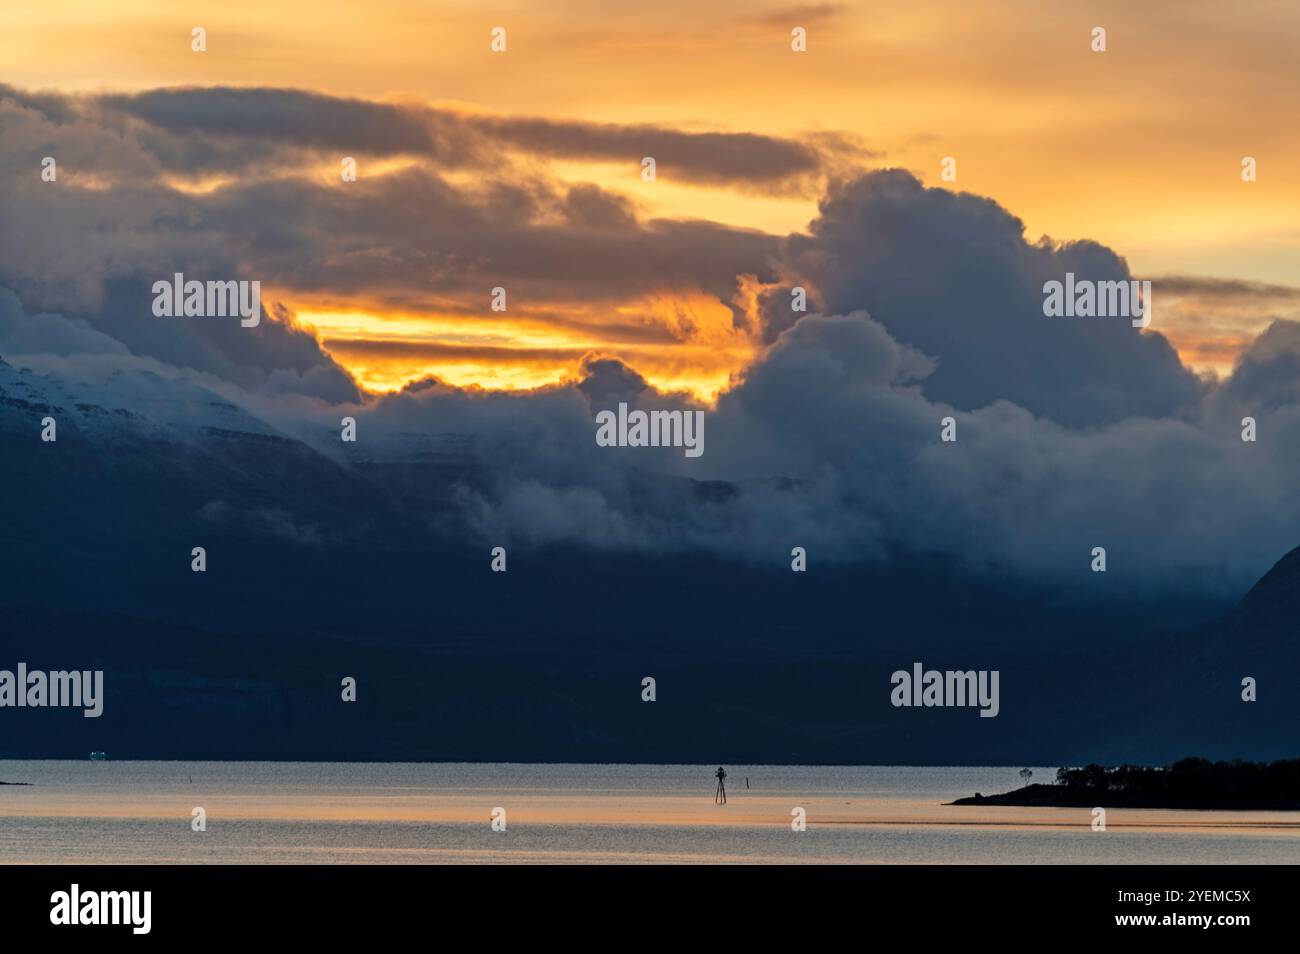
{"x":467,"y":807}
{"x":400,"y":813}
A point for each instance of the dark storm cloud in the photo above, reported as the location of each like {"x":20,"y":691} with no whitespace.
{"x":924,"y":304}
{"x":1231,"y":289}
{"x":1267,"y":375}
{"x":397,"y":237}
{"x":593,"y":207}
{"x":51,"y":106}
{"x":606,"y":381}
{"x":412,"y":232}
{"x":707,"y":157}
{"x":75,"y":247}
{"x":830,"y":443}
{"x":953,"y":275}
{"x":406,"y":240}
{"x":72,"y":254}
{"x":296,"y":118}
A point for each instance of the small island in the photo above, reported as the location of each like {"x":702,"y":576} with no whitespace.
{"x":1189,"y":783}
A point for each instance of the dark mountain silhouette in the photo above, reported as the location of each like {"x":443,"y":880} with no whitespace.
{"x":1194,"y":686}
{"x":324,"y":564}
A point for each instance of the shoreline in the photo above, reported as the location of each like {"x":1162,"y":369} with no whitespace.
{"x":1059,"y":796}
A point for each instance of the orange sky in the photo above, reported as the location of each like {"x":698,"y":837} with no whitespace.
{"x":1138,"y":147}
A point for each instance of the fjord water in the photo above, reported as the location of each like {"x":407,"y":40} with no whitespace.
{"x":264,"y":812}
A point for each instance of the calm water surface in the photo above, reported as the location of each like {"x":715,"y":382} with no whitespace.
{"x":261,"y":812}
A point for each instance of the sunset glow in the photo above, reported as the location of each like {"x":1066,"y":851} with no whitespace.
{"x":1142,"y":156}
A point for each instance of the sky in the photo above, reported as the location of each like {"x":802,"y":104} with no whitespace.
{"x":776,"y":171}
{"x":1138,"y":148}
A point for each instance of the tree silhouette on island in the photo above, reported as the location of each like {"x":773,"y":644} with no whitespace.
{"x":1189,"y":783}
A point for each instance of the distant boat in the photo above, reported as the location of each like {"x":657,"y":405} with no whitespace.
{"x":97,"y":756}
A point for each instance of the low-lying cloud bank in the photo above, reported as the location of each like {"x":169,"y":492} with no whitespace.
{"x":830,"y":443}
{"x":924,"y":304}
